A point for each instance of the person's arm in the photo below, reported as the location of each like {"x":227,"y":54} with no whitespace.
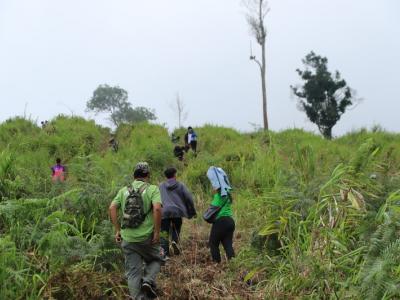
{"x":114,"y":219}
{"x":157,"y":222}
{"x":113,"y":210}
{"x":188,"y":200}
{"x":156,"y":204}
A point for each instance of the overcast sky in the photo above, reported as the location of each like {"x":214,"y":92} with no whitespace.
{"x":54,"y":53}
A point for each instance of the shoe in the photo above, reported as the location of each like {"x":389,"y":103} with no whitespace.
{"x":148,"y":290}
{"x":176,"y":248}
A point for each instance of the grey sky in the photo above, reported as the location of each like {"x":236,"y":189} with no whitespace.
{"x":54,"y":53}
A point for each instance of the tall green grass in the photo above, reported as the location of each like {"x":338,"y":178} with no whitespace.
{"x":315,"y":218}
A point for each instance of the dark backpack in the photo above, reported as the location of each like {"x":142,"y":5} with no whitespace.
{"x":134,"y":214}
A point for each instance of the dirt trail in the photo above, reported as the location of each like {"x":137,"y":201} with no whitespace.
{"x":192,"y":274}
{"x":188,"y":276}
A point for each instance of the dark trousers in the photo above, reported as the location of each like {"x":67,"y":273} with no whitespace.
{"x":193,"y":145}
{"x":170,"y":227}
{"x":222,"y":232}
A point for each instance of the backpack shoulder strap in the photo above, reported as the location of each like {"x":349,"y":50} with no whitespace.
{"x":131,"y":189}
{"x":228,"y":199}
{"x":143,"y":188}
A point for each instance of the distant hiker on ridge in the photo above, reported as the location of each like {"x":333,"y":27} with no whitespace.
{"x":223,"y":225}
{"x":139,"y":233}
{"x":58,"y":171}
{"x":175,"y":138}
{"x":177,"y":204}
{"x":179,"y":152}
{"x":191,"y":140}
{"x":113,"y":144}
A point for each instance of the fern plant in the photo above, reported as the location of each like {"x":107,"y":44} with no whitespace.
{"x":380,"y":274}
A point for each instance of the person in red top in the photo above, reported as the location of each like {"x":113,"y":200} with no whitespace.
{"x":58,"y":171}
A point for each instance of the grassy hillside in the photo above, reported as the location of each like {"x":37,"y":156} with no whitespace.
{"x":316,"y":219}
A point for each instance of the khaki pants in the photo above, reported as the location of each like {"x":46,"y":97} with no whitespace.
{"x":142,"y":264}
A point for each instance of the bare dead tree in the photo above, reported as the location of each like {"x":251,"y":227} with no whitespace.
{"x":179,"y":108}
{"x":257,"y":11}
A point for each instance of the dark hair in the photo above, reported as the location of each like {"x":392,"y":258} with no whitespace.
{"x":170,"y":172}
{"x":190,"y":127}
{"x":58,"y":160}
{"x":140,"y":174}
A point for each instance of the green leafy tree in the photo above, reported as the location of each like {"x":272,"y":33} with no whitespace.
{"x":324,"y":97}
{"x":134,"y":115}
{"x":114,"y":100}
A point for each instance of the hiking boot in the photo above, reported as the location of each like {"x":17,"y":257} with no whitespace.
{"x":175,"y":248}
{"x":148,"y":290}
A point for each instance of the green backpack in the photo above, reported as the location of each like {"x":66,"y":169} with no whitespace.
{"x":134,"y":214}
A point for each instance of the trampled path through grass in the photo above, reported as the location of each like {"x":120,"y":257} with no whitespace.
{"x":192,"y":274}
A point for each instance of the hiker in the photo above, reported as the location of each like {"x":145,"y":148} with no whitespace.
{"x":191,"y":140}
{"x":113,"y":144}
{"x":224,"y":225}
{"x":48,"y":127}
{"x":179,"y":151}
{"x":139,"y":232}
{"x":175,"y":138}
{"x":177,"y":204}
{"x":58,"y":171}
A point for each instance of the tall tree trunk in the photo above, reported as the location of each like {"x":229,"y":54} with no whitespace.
{"x":264,"y":87}
{"x":326,"y":132}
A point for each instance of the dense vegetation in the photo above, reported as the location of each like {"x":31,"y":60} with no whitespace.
{"x":315,"y":218}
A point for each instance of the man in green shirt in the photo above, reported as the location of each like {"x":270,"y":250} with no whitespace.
{"x":140,"y":244}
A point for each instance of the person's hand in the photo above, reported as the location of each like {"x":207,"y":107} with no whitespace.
{"x":118,"y":238}
{"x":156,"y":238}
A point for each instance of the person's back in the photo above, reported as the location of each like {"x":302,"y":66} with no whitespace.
{"x":177,"y":200}
{"x":113,"y":144}
{"x":179,"y":152}
{"x":145,"y":229}
{"x":58,"y":171}
{"x":177,"y":204}
{"x":222,"y":230}
{"x":140,"y":206}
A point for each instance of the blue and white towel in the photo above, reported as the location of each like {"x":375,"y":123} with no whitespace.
{"x":219,"y":180}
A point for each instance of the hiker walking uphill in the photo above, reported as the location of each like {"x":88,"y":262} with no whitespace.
{"x":113,"y":144}
{"x":58,"y":171}
{"x":220,"y":214}
{"x":179,"y":152}
{"x":177,"y":204}
{"x":139,"y":233}
{"x":191,"y":140}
